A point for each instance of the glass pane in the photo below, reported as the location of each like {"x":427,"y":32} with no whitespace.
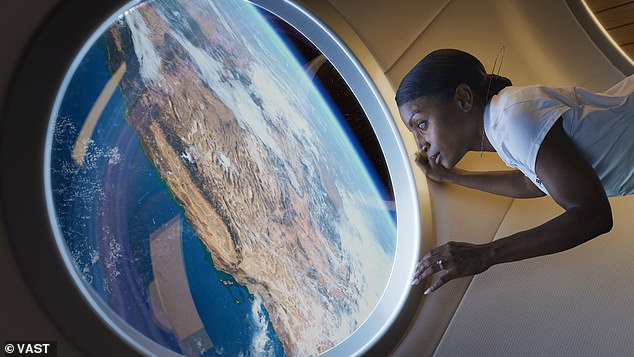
{"x":217,"y":184}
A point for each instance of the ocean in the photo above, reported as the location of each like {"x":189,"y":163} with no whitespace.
{"x":108,"y":207}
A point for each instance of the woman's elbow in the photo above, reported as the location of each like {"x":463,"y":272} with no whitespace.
{"x":606,"y":222}
{"x":604,"y":213}
{"x":596,"y":220}
{"x":601,"y":221}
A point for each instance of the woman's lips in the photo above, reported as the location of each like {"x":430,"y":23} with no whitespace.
{"x":436,"y":158}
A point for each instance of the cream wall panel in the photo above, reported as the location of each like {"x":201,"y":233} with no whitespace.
{"x":573,"y":303}
{"x":458,"y":214}
{"x":389,"y":27}
{"x":544,"y":42}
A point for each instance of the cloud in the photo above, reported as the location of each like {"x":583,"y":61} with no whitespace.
{"x":149,"y":60}
{"x":261,"y":344}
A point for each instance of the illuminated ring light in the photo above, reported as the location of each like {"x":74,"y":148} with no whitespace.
{"x":27,"y":190}
{"x":600,"y":36}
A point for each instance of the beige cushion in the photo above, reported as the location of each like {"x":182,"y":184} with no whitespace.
{"x":458,"y":214}
{"x":575,"y":303}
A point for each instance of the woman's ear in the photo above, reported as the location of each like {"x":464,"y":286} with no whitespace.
{"x":464,"y":97}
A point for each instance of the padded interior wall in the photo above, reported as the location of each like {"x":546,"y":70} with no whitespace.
{"x":458,"y":214}
{"x":573,"y":303}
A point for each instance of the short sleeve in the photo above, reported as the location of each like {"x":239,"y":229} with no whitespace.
{"x":624,"y":87}
{"x":526,"y":127}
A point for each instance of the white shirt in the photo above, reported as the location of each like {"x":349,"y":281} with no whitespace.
{"x":517,"y":120}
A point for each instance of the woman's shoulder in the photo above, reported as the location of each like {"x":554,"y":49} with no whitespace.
{"x":523,"y":114}
{"x":624,"y":87}
{"x":513,"y":95}
{"x":532,"y":102}
{"x":553,"y":96}
{"x":514,"y":100}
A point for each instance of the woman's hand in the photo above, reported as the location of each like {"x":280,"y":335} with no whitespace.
{"x":431,"y":169}
{"x":458,"y":259}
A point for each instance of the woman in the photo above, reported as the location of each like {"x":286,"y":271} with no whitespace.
{"x":572,"y":144}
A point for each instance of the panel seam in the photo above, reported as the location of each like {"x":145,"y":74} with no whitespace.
{"x":508,"y":208}
{"x":453,"y":315}
{"x":438,"y":13}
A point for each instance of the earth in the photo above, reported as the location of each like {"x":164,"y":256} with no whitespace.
{"x":208,"y":190}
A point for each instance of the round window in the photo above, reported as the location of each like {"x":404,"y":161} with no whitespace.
{"x":222,"y":178}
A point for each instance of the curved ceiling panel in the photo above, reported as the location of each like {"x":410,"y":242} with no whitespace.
{"x":610,"y":24}
{"x":617,"y":18}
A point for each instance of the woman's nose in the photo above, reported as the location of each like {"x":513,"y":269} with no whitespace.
{"x":423,"y":146}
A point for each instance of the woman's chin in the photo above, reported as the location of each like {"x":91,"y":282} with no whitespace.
{"x":449,"y":165}
{"x":450,"y":162}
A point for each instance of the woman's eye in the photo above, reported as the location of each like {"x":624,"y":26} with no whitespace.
{"x":422,"y":125}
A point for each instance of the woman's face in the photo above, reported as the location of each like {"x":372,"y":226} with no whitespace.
{"x":441,"y":128}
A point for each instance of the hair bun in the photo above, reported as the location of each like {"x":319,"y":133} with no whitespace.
{"x":496,"y":84}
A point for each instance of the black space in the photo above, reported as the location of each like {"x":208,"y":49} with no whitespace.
{"x":341,"y":95}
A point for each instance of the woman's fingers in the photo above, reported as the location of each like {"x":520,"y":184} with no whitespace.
{"x":430,"y":263}
{"x":458,"y":259}
{"x":422,"y":162}
{"x":432,"y":268}
{"x":431,"y":258}
{"x":438,"y":283}
{"x":425,"y":271}
{"x":430,"y":168}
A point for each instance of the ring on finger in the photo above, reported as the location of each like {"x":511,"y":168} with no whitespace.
{"x":440,"y":264}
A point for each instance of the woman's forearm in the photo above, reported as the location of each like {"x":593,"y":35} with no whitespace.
{"x":510,"y":183}
{"x":575,"y":226}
